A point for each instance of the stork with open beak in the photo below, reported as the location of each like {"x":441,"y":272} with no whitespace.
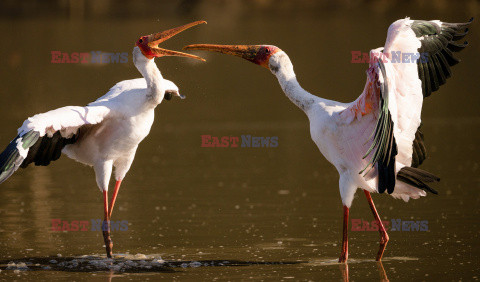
{"x":374,"y":142}
{"x":105,"y":133}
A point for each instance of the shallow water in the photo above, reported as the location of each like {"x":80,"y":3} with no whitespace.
{"x":261,"y":213}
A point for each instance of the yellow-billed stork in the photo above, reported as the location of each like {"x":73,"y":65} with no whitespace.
{"x":374,"y":142}
{"x":105,"y":133}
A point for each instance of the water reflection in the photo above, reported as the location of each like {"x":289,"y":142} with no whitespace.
{"x":382,"y":272}
{"x":344,"y":270}
{"x":124,"y":263}
{"x":379,"y":265}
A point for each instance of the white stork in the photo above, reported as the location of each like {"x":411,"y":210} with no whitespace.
{"x":105,"y":133}
{"x":375,"y":140}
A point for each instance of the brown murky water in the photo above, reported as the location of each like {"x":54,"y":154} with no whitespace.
{"x":261,"y":213}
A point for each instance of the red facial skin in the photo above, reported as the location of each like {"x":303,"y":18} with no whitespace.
{"x":142,"y":43}
{"x":263,"y":55}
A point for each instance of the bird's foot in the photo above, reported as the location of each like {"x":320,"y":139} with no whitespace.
{"x":108,"y":243}
{"x":343,"y":257}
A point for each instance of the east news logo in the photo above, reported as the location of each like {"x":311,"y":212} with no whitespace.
{"x":394,"y":225}
{"x":94,"y":57}
{"x":88,"y":225}
{"x":244,"y":141}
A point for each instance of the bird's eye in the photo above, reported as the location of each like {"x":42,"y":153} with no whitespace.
{"x":267,"y":50}
{"x":140,"y":40}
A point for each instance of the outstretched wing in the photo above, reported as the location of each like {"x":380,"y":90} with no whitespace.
{"x":437,"y":47}
{"x":415,"y":61}
{"x":42,"y":137}
{"x":421,"y":52}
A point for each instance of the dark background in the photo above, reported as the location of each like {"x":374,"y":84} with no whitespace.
{"x":183,"y":201}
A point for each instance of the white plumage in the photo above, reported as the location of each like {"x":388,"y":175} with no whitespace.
{"x":108,"y":130}
{"x":373,"y":142}
{"x":104,"y":134}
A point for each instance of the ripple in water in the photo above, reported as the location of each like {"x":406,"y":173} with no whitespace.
{"x":120,"y":263}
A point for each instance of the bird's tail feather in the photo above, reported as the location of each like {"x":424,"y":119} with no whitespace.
{"x":418,"y":178}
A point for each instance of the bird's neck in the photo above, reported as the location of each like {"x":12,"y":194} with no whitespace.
{"x":154,"y":79}
{"x":290,"y":86}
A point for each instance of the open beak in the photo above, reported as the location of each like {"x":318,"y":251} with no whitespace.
{"x":149,"y":43}
{"x":258,"y":54}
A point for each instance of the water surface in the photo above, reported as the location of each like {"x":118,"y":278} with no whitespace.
{"x":261,"y":213}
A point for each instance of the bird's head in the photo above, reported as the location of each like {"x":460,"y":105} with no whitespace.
{"x":171,"y":90}
{"x":262,"y":55}
{"x":148,"y":44}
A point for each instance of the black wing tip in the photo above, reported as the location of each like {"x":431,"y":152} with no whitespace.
{"x":41,"y":150}
{"x":5,"y":175}
{"x":382,"y":189}
{"x":418,"y":178}
{"x":47,"y":149}
{"x":440,"y":47}
{"x":419,"y":149}
{"x":10,"y":159}
{"x":431,"y":190}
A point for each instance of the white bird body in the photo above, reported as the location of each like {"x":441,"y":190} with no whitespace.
{"x":374,"y":142}
{"x":342,"y":136}
{"x":109,"y":129}
{"x":105,"y":133}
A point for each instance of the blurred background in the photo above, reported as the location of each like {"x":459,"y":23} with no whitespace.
{"x":183,"y":201}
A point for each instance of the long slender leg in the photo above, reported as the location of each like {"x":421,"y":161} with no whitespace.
{"x":383,"y":233}
{"x":114,"y":197}
{"x":344,"y":254}
{"x":106,"y":226}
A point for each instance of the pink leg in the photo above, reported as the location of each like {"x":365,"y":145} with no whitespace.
{"x":344,"y":254}
{"x":114,"y":197}
{"x":381,"y":228}
{"x":106,"y":225}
